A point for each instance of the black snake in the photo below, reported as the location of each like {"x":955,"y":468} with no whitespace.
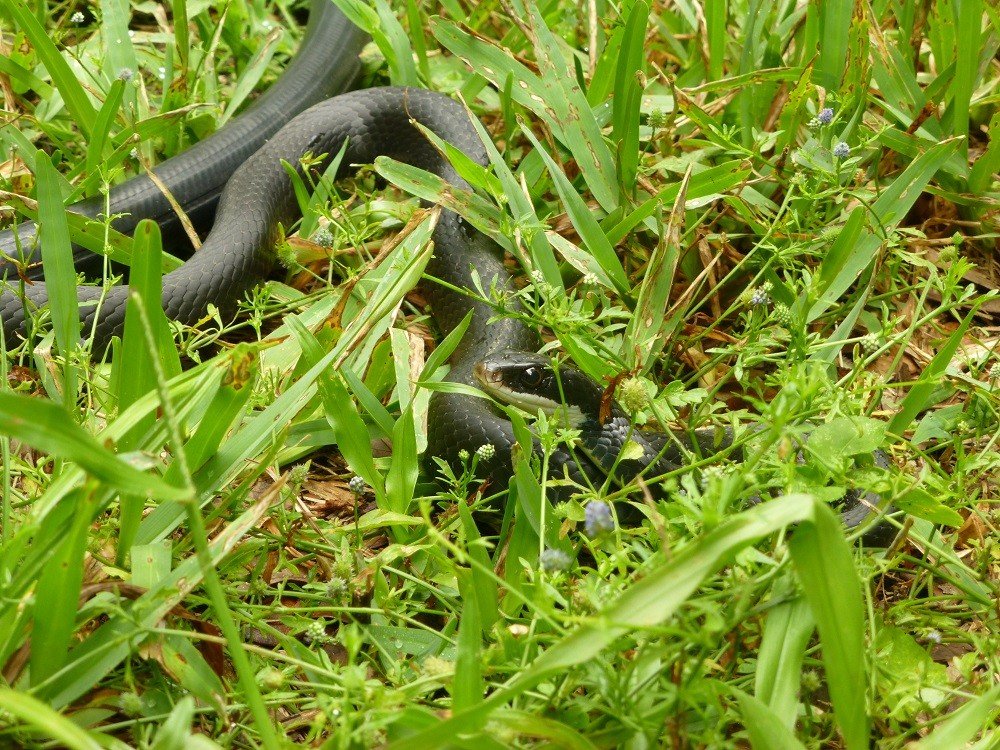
{"x":259,"y":197}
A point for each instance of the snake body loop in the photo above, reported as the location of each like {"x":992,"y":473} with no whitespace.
{"x":326,"y":64}
{"x":237,"y":254}
{"x":259,"y":198}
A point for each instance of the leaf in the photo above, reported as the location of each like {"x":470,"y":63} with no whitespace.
{"x":628,"y":96}
{"x":825,"y":566}
{"x":960,"y":728}
{"x":834,"y":33}
{"x":921,"y":394}
{"x":73,"y":93}
{"x":767,"y":730}
{"x":135,"y":361}
{"x":48,"y":723}
{"x":856,"y":245}
{"x":251,"y":74}
{"x":97,"y":149}
{"x":646,"y":603}
{"x":778,"y":676}
{"x":50,"y":429}
{"x":388,"y":34}
{"x":846,"y":436}
{"x":583,"y":220}
{"x":58,"y":592}
{"x":921,"y":504}
{"x":467,"y":688}
{"x":57,"y":261}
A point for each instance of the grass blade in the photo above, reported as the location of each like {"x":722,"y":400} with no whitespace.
{"x":824,"y":564}
{"x":921,"y":394}
{"x":48,"y":723}
{"x":50,"y":429}
{"x":73,"y":94}
{"x":135,"y":362}
{"x":834,"y":31}
{"x":646,"y":603}
{"x":852,"y":255}
{"x":767,"y":729}
{"x":961,"y":727}
{"x":57,"y":260}
{"x":58,"y":591}
{"x":778,"y":676}
{"x":583,"y":220}
{"x":628,"y":96}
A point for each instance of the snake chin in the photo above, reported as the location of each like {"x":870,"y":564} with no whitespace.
{"x":534,"y":381}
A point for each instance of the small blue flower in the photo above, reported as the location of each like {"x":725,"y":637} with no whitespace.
{"x":841,"y":150}
{"x":825,"y":115}
{"x":598,"y":519}
{"x":759,"y":297}
{"x":357,"y":485}
{"x":553,"y":560}
{"x":323,"y":237}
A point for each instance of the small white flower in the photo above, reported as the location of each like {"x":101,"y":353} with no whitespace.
{"x":870,"y":343}
{"x":77,"y":17}
{"x":486,"y":451}
{"x":554,"y":560}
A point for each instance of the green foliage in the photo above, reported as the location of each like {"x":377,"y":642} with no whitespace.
{"x":758,"y":220}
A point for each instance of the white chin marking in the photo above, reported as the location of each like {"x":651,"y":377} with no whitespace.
{"x":568,"y":416}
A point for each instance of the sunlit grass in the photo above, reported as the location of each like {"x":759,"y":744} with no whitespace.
{"x":779,"y":219}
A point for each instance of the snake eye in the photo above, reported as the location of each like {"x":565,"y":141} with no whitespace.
{"x":532,"y":376}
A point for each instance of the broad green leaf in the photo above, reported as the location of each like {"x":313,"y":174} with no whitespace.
{"x":778,"y":677}
{"x":846,"y":436}
{"x":920,"y":503}
{"x":768,"y":730}
{"x":49,"y":428}
{"x":961,"y":727}
{"x":48,"y":723}
{"x":825,"y":566}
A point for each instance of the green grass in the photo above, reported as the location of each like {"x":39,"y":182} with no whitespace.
{"x":185,"y":561}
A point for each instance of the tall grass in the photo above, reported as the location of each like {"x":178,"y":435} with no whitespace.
{"x":778,"y":219}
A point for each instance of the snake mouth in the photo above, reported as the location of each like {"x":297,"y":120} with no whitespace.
{"x":489,"y":376}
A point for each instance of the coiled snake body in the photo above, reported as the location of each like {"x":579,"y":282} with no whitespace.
{"x":259,"y":197}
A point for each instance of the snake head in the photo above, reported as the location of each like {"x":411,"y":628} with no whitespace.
{"x":532,"y":382}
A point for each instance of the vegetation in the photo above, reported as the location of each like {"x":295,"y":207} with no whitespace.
{"x":780,"y":218}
